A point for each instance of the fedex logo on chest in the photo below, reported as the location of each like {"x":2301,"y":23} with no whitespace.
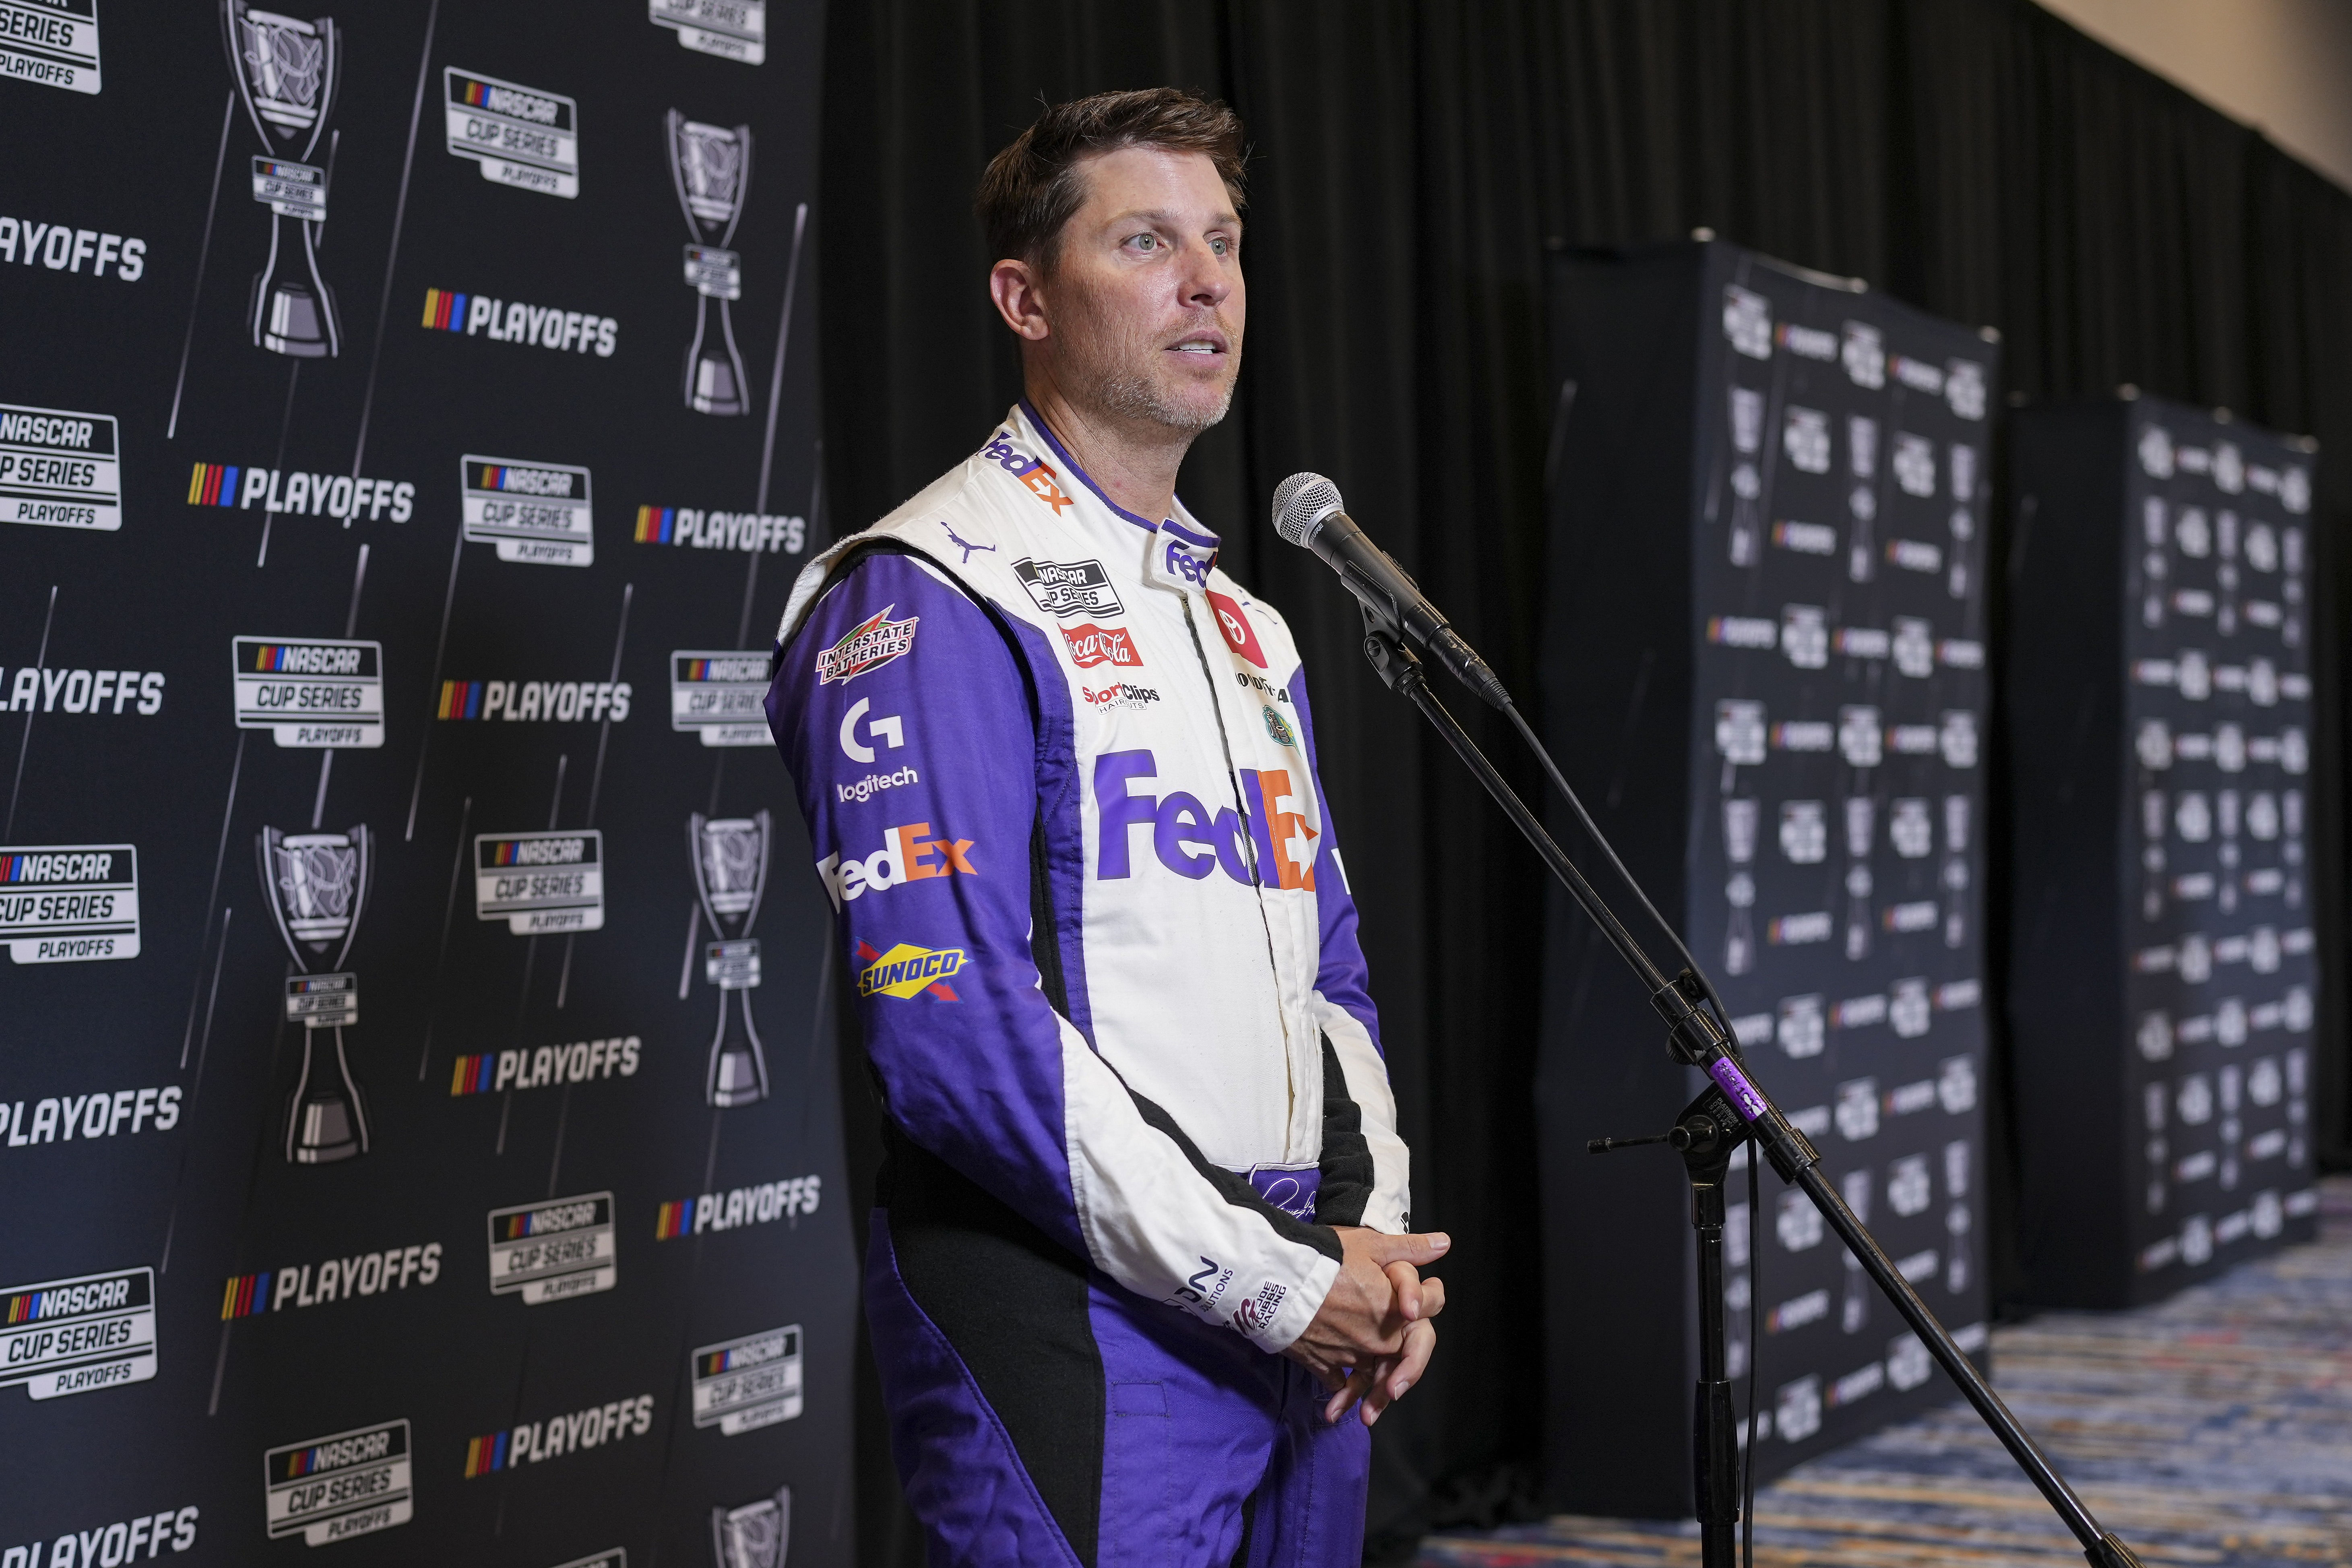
{"x":1272,"y":846}
{"x":1032,"y":472}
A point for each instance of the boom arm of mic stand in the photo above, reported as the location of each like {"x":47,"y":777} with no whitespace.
{"x":1697,"y":1039}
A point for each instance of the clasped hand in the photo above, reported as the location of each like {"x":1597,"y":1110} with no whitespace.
{"x":1372,"y":1337}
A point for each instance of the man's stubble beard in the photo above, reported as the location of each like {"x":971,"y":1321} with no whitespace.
{"x":1115,"y":385}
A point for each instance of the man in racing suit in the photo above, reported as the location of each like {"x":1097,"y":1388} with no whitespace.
{"x":1140,"y":1242}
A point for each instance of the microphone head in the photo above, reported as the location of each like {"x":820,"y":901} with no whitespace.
{"x":1301,"y":503}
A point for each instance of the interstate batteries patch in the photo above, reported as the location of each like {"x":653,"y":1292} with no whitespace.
{"x":72,"y":1336}
{"x":869,"y":645}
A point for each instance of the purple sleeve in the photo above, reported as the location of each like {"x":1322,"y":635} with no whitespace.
{"x":1341,"y":978}
{"x":907,"y":725}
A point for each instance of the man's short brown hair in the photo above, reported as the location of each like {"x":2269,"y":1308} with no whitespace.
{"x":1031,"y":188}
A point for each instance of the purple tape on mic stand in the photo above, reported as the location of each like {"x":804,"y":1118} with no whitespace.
{"x":1733,"y":1082}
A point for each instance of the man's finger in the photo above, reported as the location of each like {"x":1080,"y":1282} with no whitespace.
{"x":1433,"y":1299}
{"x":1362,"y":1380}
{"x":1418,"y":1250}
{"x":1405,"y":1280}
{"x":1394,"y":1376}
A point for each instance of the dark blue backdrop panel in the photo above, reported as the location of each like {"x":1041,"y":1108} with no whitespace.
{"x":416,"y":1103}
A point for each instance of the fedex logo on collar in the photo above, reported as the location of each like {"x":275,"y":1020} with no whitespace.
{"x":1031,"y":471}
{"x":1188,"y":840}
{"x":1193,"y":568}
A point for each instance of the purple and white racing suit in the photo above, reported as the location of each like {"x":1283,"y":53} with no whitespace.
{"x":1058,"y":773}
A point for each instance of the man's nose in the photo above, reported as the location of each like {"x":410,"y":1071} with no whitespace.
{"x":1204,"y":279}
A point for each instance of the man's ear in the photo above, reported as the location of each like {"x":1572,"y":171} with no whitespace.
{"x":1018,"y":289}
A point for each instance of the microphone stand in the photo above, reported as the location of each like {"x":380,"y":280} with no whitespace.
{"x":1731,"y":1110}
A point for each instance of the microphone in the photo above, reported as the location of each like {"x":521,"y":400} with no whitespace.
{"x":1307,"y":512}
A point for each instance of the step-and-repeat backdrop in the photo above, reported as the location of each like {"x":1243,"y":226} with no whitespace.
{"x":1767,"y":656}
{"x":418,"y":1120}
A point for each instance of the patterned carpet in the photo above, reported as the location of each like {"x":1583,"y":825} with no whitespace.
{"x":2214,"y":1430}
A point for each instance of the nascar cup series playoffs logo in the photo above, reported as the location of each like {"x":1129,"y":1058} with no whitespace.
{"x":541,"y":883}
{"x":756,"y":1535}
{"x":555,"y":1250}
{"x":63,"y":903}
{"x":720,"y":695}
{"x":54,"y":42}
{"x":59,"y":469}
{"x":310,"y":693}
{"x":731,"y":30}
{"x":71,"y":1336}
{"x":287,"y":72}
{"x":330,"y":1489}
{"x":731,"y":872}
{"x":520,"y":136}
{"x":744,"y":1384}
{"x":538,"y":513}
{"x":711,"y":168}
{"x":318,"y":884}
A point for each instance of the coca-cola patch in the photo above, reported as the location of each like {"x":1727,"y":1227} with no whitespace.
{"x":1091,"y":645}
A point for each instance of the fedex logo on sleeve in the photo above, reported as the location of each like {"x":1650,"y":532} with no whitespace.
{"x":1276,"y":846}
{"x":909,"y":854}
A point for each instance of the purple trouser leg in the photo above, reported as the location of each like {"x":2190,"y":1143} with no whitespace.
{"x":1211,"y":1452}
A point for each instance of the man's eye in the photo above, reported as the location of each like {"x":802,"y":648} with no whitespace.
{"x":1145,"y":242}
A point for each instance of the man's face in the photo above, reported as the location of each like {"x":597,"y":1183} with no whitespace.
{"x":1145,"y":300}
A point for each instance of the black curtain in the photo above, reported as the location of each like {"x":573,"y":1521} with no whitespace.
{"x":1413,"y":164}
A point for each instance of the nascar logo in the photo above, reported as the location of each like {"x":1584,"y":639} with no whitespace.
{"x":330,"y":1489}
{"x":69,"y":903}
{"x":292,"y":494}
{"x":746,"y":1384}
{"x":750,"y":531}
{"x":537,"y":1441}
{"x":72,"y":1336}
{"x":59,"y":469}
{"x":737,"y":1206}
{"x":548,"y":1252}
{"x":519,"y":136}
{"x":512,"y":321}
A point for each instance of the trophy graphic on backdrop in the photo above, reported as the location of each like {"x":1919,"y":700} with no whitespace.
{"x":711,"y":167}
{"x":756,"y":1535}
{"x":287,"y":72}
{"x":731,"y":872}
{"x":318,"y":885}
